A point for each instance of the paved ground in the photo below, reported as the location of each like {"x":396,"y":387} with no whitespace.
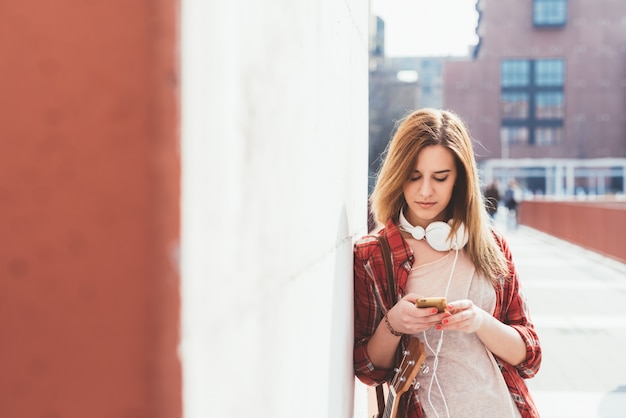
{"x":578,"y":303}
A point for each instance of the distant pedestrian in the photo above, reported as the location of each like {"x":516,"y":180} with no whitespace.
{"x":480,"y":343}
{"x":512,"y":198}
{"x":492,"y":199}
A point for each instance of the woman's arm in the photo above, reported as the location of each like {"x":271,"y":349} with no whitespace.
{"x":501,"y":339}
{"x":367,"y":314}
{"x":513,"y":310}
{"x":403,"y":318}
{"x":374,"y":344}
{"x":382,"y":346}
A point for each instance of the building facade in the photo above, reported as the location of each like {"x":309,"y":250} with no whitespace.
{"x":546,"y":82}
{"x":397,"y":86}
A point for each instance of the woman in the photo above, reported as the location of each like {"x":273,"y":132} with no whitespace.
{"x":484,"y":344}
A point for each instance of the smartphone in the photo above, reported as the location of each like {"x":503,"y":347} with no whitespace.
{"x":439,"y":303}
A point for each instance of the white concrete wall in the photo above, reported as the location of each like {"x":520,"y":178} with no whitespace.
{"x":274,"y":151}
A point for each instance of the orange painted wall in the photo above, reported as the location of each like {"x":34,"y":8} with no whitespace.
{"x":89,"y":204}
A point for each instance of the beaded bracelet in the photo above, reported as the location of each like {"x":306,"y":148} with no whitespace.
{"x":390,"y":328}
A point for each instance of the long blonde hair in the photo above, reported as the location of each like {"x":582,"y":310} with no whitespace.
{"x":427,"y":127}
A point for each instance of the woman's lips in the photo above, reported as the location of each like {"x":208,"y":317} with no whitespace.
{"x":425,"y":205}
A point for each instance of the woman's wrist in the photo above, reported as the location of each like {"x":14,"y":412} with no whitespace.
{"x":390,"y":328}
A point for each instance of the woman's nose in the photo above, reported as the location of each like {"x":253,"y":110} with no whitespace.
{"x":426,"y":188}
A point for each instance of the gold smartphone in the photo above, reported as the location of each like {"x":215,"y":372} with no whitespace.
{"x":439,"y":303}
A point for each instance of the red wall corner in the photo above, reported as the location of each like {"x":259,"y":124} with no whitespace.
{"x":89,"y":196}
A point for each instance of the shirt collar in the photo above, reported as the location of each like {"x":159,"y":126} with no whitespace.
{"x":399,"y":247}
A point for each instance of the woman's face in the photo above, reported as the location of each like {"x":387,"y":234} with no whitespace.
{"x":429,"y":187}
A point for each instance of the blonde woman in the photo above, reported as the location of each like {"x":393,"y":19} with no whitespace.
{"x":429,"y":204}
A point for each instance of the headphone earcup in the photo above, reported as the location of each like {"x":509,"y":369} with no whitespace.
{"x":460,"y":238}
{"x":437,"y":236}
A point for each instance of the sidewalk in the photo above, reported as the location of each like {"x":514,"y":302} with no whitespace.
{"x":577,"y":300}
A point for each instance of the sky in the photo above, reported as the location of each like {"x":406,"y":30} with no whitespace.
{"x":427,"y":27}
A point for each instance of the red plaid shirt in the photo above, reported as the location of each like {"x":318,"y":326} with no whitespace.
{"x":371,"y":304}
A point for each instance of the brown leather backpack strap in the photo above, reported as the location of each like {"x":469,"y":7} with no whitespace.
{"x":386,"y":252}
{"x":380,"y":398}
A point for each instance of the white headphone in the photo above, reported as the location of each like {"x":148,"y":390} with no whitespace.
{"x":437,"y":234}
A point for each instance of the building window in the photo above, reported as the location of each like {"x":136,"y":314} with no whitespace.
{"x":549,"y":72}
{"x":514,"y":135}
{"x":532,"y":103}
{"x":549,"y":105}
{"x":549,"y":13}
{"x":515,"y":73}
{"x":514,"y":105}
{"x":548,"y":135}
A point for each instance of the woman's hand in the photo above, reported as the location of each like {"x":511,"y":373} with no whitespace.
{"x":406,"y":318}
{"x":464,"y":316}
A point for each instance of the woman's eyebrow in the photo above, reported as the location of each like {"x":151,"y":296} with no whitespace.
{"x":436,"y":172}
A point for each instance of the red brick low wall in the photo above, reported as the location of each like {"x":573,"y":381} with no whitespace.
{"x":599,"y":226}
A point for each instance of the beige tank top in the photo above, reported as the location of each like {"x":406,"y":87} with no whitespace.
{"x":465,"y":381}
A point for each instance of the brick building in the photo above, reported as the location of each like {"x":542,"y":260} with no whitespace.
{"x":544,"y":92}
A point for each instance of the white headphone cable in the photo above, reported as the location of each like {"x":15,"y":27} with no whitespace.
{"x":436,"y":353}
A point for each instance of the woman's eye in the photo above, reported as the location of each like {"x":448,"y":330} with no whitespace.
{"x":441,"y":180}
{"x":416,"y":178}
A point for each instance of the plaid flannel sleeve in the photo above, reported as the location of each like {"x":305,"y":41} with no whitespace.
{"x":368,"y":312}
